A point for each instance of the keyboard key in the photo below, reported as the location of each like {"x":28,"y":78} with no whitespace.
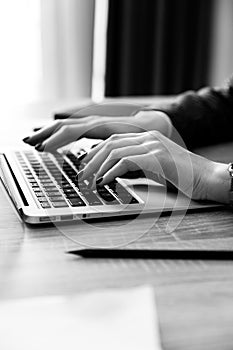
{"x":66,"y":167}
{"x":91,"y":198}
{"x":61,"y":204}
{"x":76,"y":202}
{"x":53,"y":168}
{"x":62,"y":180}
{"x":45,"y":205}
{"x":68,"y":191}
{"x":50,"y":188}
{"x":56,"y":199}
{"x":124,"y":196}
{"x":35,"y":185}
{"x":106,"y":195}
{"x":53,"y":194}
{"x":73,"y":195}
{"x":67,"y":186}
{"x":32,"y":181}
{"x":56,"y":174}
{"x":42,"y":200}
{"x":44,"y":178}
{"x":39,"y":194}
{"x":45,"y":181}
{"x":37,"y":190}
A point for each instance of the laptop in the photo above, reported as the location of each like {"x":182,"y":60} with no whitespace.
{"x":44,"y":187}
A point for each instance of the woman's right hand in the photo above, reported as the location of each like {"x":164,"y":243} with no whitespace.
{"x":63,"y":132}
{"x":160,"y":159}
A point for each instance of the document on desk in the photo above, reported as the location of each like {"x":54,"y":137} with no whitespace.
{"x":103,"y":320}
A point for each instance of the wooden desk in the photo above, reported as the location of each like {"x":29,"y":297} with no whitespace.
{"x":195,"y":298}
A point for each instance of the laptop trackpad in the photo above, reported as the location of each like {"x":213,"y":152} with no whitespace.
{"x":157,"y":196}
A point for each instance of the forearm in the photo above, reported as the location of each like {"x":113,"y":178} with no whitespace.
{"x":149,"y":120}
{"x":203,"y":117}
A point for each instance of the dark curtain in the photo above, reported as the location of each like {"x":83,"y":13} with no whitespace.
{"x":157,"y":46}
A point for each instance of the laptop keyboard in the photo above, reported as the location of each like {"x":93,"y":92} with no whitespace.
{"x":53,"y":179}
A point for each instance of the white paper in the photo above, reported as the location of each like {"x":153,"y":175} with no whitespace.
{"x":104,"y":320}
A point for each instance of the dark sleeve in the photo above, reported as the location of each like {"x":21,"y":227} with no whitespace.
{"x":204,"y":117}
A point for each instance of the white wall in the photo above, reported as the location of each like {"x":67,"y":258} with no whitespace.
{"x":20,"y":52}
{"x":222,"y":46}
{"x":99,"y":50}
{"x":67,"y":44}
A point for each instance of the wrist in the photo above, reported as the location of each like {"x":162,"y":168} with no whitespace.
{"x":151,"y":120}
{"x":220,"y":184}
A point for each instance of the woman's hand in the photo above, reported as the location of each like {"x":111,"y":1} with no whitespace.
{"x":61,"y":133}
{"x":155,"y":154}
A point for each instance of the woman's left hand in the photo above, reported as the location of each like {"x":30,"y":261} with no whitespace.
{"x":155,"y":154}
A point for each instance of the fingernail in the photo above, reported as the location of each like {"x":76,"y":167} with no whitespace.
{"x":39,"y":147}
{"x":82,"y":156}
{"x":37,"y":129}
{"x":99,"y":180}
{"x":26,"y":139}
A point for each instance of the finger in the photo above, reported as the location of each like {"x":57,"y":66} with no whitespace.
{"x":112,"y":138}
{"x":94,"y":164}
{"x":131,"y":163}
{"x":37,"y":128}
{"x":43,"y":133}
{"x":62,"y":137}
{"x":118,"y":154}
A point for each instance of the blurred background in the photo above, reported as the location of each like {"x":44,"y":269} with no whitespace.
{"x":64,"y":49}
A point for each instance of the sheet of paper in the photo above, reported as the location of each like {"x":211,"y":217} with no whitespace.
{"x":110,"y":319}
